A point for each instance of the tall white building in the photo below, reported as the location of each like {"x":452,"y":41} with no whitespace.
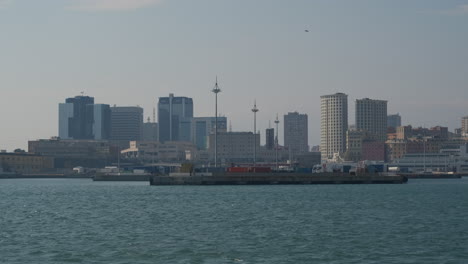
{"x":464,"y":127}
{"x":371,"y":116}
{"x":296,"y":133}
{"x":333,"y":125}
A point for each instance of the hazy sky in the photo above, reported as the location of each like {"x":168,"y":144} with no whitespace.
{"x":412,"y":53}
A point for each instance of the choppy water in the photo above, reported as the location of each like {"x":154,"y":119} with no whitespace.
{"x":80,"y":221}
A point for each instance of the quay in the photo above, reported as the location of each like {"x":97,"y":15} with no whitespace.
{"x":432,"y":175}
{"x":45,"y":176}
{"x":277,"y":178}
{"x":122,"y":177}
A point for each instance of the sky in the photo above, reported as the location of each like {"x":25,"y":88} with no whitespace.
{"x":412,"y":53}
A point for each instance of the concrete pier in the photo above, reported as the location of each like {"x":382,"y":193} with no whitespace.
{"x":277,"y":178}
{"x":431,"y":176}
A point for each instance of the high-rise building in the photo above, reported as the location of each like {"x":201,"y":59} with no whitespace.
{"x":464,"y":127}
{"x":296,"y":133}
{"x":126,"y":123}
{"x":101,"y":116}
{"x":394,"y":121}
{"x":270,"y":138}
{"x":75,"y":120}
{"x":172,"y":112}
{"x":150,"y":131}
{"x":202,"y":127}
{"x":371,"y":116}
{"x":333,"y":124}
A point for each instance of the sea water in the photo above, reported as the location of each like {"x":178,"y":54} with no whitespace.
{"x":81,"y":221}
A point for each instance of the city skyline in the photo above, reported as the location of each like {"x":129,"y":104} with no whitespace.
{"x":410,"y":54}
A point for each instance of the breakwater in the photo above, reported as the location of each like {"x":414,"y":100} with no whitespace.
{"x":277,"y":178}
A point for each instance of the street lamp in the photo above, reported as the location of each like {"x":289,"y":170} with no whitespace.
{"x":255,"y":110}
{"x":276,"y":142}
{"x":216,"y":90}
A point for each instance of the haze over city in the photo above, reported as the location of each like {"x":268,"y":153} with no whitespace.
{"x":411,"y":53}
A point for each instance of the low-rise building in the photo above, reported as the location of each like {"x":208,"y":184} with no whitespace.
{"x":153,"y":151}
{"x":73,"y":153}
{"x":235,"y":147}
{"x":25,"y":163}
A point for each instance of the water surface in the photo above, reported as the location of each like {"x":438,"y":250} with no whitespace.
{"x":80,"y":221}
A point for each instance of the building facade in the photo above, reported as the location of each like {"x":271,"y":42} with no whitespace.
{"x":126,"y":123}
{"x":371,"y":116}
{"x":235,"y":147}
{"x":101,"y":115}
{"x":75,"y":119}
{"x":393,"y":121}
{"x":25,"y":163}
{"x":172,"y":111}
{"x":72,"y":153}
{"x":354,"y":140}
{"x":270,"y":138}
{"x":153,"y":151}
{"x":296,"y":133}
{"x":150,"y":131}
{"x":464,"y":126}
{"x":202,"y":127}
{"x":333,"y":124}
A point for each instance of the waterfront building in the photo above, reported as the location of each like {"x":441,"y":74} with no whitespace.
{"x":72,"y":153}
{"x":393,"y":121}
{"x":153,"y":151}
{"x":270,"y":138}
{"x":234,"y":147}
{"x":399,"y":147}
{"x":126,"y":123}
{"x":371,"y":116}
{"x":296,"y":133}
{"x":172,"y":111}
{"x":450,"y":160}
{"x":25,"y":163}
{"x":333,"y":125}
{"x":75,"y":120}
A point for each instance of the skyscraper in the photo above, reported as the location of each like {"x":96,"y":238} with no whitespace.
{"x":150,"y":131}
{"x":270,"y":138}
{"x":101,"y":115}
{"x":371,"y":116}
{"x":394,"y":121}
{"x":75,"y":119}
{"x":172,"y":111}
{"x":296,"y":133}
{"x":333,"y":124}
{"x":464,"y":126}
{"x":202,"y":127}
{"x":126,"y":123}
